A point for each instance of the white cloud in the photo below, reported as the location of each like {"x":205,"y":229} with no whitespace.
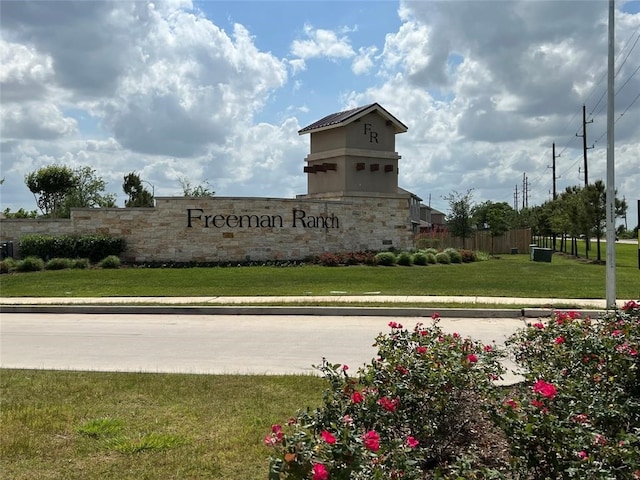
{"x":322,"y":43}
{"x":364,"y":61}
{"x":36,"y":121}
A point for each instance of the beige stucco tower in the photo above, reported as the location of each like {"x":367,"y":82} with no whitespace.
{"x":353,"y":153}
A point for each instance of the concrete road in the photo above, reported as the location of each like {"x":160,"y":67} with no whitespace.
{"x":208,"y":343}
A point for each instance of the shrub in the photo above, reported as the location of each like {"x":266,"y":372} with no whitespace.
{"x":428,"y":242}
{"x":386,"y":258}
{"x":433,"y":251}
{"x":431,"y":258}
{"x":483,"y":256}
{"x":80,"y":263}
{"x":468,"y":256}
{"x":58,"y":264}
{"x":30,"y":264}
{"x":405,"y":259}
{"x":419,"y":258}
{"x":328,"y":259}
{"x":579,"y":413}
{"x":110,"y":262}
{"x":8,"y":265}
{"x":411,"y":411}
{"x":443,"y":257}
{"x":93,"y":247}
{"x":454,"y":255}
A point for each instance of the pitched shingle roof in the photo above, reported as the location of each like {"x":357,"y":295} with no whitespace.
{"x":340,"y":119}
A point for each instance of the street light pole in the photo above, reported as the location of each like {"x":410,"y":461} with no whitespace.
{"x":611,"y":189}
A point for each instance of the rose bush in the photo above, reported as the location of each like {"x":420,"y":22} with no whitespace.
{"x":578,"y":413}
{"x":412,"y":411}
{"x":417,"y":410}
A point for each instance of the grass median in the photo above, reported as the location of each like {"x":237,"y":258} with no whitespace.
{"x":505,"y":276}
{"x":88,"y":425}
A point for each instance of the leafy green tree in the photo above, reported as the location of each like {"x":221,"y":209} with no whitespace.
{"x":20,"y":213}
{"x":201,"y":190}
{"x":50,"y":186}
{"x":88,"y":192}
{"x":459,"y":217}
{"x":138,"y":195}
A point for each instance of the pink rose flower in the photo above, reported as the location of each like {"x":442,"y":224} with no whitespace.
{"x":319,"y":472}
{"x":412,"y":442}
{"x":328,"y":437}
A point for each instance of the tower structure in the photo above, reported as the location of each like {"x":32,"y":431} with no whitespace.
{"x":353,"y":153}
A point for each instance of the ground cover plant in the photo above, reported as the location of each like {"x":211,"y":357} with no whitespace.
{"x":509,"y":275}
{"x":418,"y":411}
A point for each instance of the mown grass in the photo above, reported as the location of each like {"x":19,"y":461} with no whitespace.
{"x":506,"y":276}
{"x":88,"y":425}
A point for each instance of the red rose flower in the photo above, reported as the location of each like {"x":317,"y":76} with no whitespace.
{"x":371,"y":441}
{"x":388,"y":404}
{"x":356,"y":397}
{"x":545,"y":389}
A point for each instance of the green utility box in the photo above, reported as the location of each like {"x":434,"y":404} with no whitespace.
{"x":542,"y":254}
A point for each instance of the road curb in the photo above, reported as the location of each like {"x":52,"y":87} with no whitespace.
{"x":288,"y":310}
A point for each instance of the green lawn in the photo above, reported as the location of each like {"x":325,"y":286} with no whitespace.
{"x":507,"y":276}
{"x":82,"y":425}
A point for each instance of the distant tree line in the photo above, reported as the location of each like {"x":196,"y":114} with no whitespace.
{"x":578,"y":212}
{"x":58,"y":188}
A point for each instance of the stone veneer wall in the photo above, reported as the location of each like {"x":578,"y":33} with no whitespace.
{"x":218,"y":233}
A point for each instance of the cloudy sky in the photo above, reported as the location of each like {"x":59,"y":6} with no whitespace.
{"x":217,"y":90}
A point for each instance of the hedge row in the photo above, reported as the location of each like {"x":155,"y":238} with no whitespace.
{"x":93,"y":247}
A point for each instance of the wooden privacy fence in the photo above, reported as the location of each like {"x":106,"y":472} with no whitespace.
{"x":519,"y":239}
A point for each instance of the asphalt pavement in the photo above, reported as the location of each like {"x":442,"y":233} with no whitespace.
{"x":222,"y":335}
{"x":211,"y":344}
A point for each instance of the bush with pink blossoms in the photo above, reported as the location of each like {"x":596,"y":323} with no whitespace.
{"x":417,"y":411}
{"x":412,"y":413}
{"x":578,"y":413}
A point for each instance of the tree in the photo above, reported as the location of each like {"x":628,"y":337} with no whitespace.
{"x":459,"y":218}
{"x":497,"y":217}
{"x":138,"y":195}
{"x":201,"y":190}
{"x":50,"y":186}
{"x":88,"y":192}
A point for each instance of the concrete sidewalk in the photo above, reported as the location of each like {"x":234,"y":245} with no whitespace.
{"x":352,"y":305}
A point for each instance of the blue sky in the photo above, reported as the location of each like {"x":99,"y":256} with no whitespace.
{"x":217,"y":90}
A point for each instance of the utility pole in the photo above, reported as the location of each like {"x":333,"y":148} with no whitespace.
{"x":554,"y":156}
{"x":584,"y":143}
{"x":515,"y":199}
{"x":525,"y":190}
